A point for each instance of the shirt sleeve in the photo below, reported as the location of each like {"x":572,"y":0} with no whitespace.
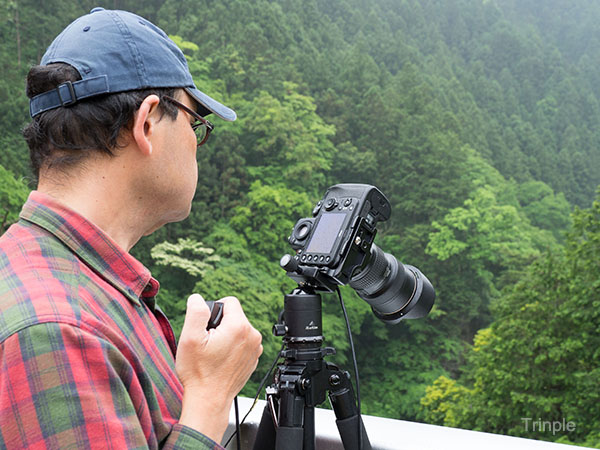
{"x":63,"y":387}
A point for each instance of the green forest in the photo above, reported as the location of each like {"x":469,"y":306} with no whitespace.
{"x":479,"y":120}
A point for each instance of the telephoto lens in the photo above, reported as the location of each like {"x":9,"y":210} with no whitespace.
{"x":395,"y":291}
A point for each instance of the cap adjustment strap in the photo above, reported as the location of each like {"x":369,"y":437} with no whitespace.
{"x":67,"y":94}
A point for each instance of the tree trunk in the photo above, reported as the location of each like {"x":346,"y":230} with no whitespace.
{"x":18,"y":29}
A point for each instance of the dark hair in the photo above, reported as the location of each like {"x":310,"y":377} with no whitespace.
{"x":65,"y":136}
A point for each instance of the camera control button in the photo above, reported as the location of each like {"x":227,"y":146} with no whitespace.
{"x":347,"y":202}
{"x":331,"y":204}
{"x":317,"y":208}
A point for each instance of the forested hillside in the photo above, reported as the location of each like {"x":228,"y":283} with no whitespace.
{"x":479,"y":119}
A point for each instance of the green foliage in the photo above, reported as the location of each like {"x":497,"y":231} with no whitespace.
{"x":186,"y":254}
{"x":485,"y":244}
{"x":13,"y":193}
{"x":545,"y":209}
{"x":267,"y":218}
{"x":440,"y":400}
{"x":540,"y":357}
{"x":290,"y":141}
{"x":493,"y":233}
{"x":179,"y":266}
{"x":478,"y":120}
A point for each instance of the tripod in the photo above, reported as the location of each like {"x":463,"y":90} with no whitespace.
{"x":300,"y":384}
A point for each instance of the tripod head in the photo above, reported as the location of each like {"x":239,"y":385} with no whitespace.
{"x":300,"y":322}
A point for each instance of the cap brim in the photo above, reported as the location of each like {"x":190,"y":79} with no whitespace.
{"x":211,"y":105}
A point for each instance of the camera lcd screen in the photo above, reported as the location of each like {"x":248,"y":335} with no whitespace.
{"x":324,"y":235}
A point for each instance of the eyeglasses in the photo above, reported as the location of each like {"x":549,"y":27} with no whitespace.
{"x":201,"y":126}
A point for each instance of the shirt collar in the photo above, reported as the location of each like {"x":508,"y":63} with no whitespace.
{"x":91,"y":244}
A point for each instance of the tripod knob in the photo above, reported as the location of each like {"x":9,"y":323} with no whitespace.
{"x":279,"y":329}
{"x":289,"y":264}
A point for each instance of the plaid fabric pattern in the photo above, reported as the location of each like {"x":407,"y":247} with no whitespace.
{"x":86,"y":358}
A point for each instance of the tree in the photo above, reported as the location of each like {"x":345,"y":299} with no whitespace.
{"x":180,"y":265}
{"x":485,"y":243}
{"x":268,"y":217}
{"x":13,"y":193}
{"x":290,"y":142}
{"x":187,"y":255}
{"x":539,"y":358}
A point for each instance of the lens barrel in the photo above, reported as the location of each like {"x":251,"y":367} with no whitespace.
{"x":395,"y":291}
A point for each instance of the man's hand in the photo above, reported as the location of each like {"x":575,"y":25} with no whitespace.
{"x":214,"y":365}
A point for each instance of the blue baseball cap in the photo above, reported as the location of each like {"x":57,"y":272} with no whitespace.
{"x":117,"y":51}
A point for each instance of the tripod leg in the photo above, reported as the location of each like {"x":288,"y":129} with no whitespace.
{"x":289,"y":438}
{"x":348,"y":429}
{"x":348,"y":421}
{"x":265,"y":435}
{"x":291,"y":431}
{"x":309,"y":428}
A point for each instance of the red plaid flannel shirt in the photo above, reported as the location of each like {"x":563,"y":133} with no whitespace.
{"x":86,"y":358}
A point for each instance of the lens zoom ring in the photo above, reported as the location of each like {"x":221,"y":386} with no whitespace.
{"x":372,"y":276}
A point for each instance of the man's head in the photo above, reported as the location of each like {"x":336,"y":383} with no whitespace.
{"x":94,"y":77}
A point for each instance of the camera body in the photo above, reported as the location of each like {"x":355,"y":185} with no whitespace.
{"x":335,"y":247}
{"x":336,"y":241}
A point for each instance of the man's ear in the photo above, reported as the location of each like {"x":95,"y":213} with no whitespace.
{"x":144,"y":123}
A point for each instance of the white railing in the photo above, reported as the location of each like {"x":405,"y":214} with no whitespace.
{"x":390,"y":434}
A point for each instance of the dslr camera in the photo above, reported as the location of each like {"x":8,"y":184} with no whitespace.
{"x":335,"y":247}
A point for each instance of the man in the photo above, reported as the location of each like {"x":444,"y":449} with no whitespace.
{"x":87,"y":360}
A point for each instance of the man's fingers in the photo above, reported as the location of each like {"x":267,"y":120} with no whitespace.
{"x":196,"y":316}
